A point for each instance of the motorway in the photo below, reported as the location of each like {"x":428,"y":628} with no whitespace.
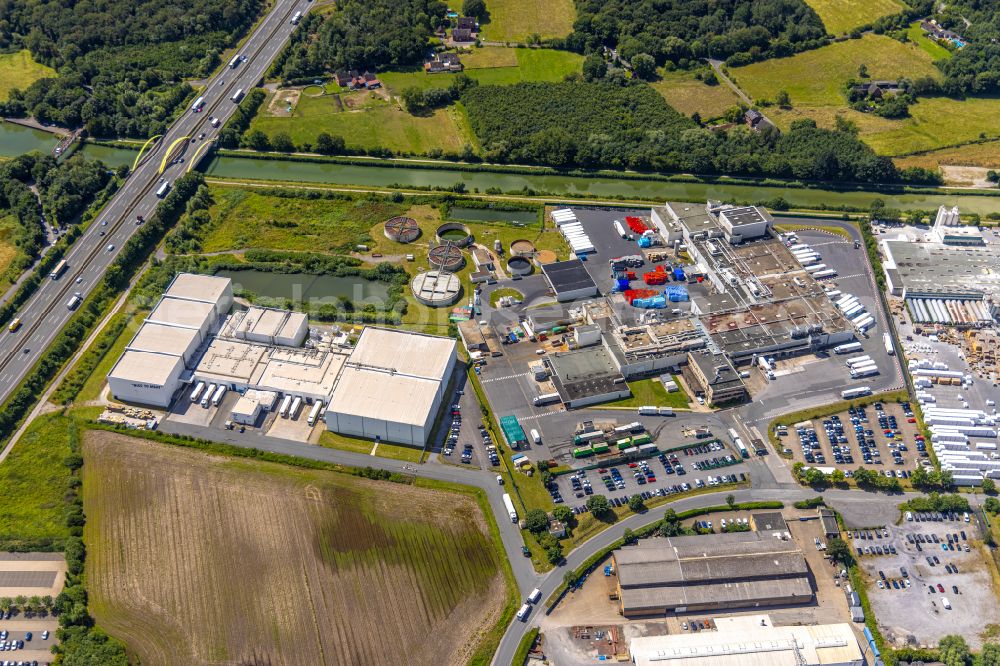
{"x":46,"y":312}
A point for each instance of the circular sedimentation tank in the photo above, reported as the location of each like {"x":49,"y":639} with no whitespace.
{"x":522,"y":248}
{"x":545,"y":257}
{"x":402,"y":229}
{"x":454,"y":232}
{"x":519,"y":266}
{"x":436,"y":288}
{"x":446,"y":257}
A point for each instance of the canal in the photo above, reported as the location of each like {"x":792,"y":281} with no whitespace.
{"x":304,"y":287}
{"x":16,"y":140}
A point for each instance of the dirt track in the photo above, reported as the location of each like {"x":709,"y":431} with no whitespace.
{"x":200,"y":559}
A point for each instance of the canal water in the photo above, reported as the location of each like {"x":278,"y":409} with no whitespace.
{"x":492,"y":215}
{"x":16,"y":140}
{"x":303,"y":287}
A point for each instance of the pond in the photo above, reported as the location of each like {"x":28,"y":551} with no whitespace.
{"x":113,"y":157}
{"x":493,"y":215}
{"x":304,"y":287}
{"x":16,"y":140}
{"x":581,"y":186}
{"x":453,"y":235}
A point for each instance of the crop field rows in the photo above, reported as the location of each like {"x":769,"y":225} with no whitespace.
{"x":201,"y":558}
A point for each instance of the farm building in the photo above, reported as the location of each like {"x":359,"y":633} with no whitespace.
{"x":710,"y":573}
{"x":391,"y":386}
{"x":752,"y":640}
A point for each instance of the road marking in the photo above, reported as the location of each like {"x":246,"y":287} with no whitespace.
{"x":497,"y":379}
{"x":374,"y":449}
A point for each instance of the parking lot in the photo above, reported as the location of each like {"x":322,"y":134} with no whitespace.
{"x":927,"y":578}
{"x":27,"y":641}
{"x":697,"y":466}
{"x":468,"y":442}
{"x":883,"y":436}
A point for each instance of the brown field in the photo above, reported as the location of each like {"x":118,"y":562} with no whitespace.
{"x":198,"y":558}
{"x":985,"y":154}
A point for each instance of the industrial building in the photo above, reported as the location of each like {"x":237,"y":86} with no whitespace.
{"x":391,"y":386}
{"x":711,"y":572}
{"x":751,"y":640}
{"x":269,"y":326}
{"x":587,"y":376}
{"x":948,"y":229}
{"x":569,"y":280}
{"x":715,"y":377}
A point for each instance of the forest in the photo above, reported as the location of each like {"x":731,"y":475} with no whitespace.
{"x":361,"y":34}
{"x":120,"y":62}
{"x":974,"y":68}
{"x":678,"y":30}
{"x":599,"y":125}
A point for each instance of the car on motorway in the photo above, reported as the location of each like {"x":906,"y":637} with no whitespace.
{"x":111,"y":247}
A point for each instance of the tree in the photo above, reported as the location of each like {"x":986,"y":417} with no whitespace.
{"x":257,"y":140}
{"x":329,"y":145}
{"x":783,"y":99}
{"x":635,"y":503}
{"x":477,"y":9}
{"x":554,"y":553}
{"x":628,"y":536}
{"x":838,"y":551}
{"x":536,"y":521}
{"x":954,"y":651}
{"x":563,"y":514}
{"x":990,"y":655}
{"x":414,"y":99}
{"x":594,"y":68}
{"x":598,"y":505}
{"x":814,"y":477}
{"x":644,"y":66}
{"x":670,"y":525}
{"x":283,"y":143}
{"x":989,"y":486}
{"x":863,"y":71}
{"x":993,"y":176}
{"x":992,"y":505}
{"x":731,"y":501}
{"x":838,"y":477}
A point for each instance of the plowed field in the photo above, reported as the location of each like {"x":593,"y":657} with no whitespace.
{"x":195,"y":558}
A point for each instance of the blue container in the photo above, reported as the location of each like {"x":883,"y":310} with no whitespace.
{"x":622,"y":284}
{"x":678,"y":274}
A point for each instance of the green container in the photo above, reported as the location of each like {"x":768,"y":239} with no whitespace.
{"x":601,"y":448}
{"x":641,"y":439}
{"x":583,"y":452}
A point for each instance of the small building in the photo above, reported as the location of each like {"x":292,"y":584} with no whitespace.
{"x":371,"y":81}
{"x":715,"y":376}
{"x":753,"y":118}
{"x":557,"y":529}
{"x":569,"y":280}
{"x":472,"y":336}
{"x":443,"y":62}
{"x":270,"y":326}
{"x":466,"y":23}
{"x":586,"y":335}
{"x":769,"y":522}
{"x":343,"y":78}
{"x":587,"y":377}
{"x":251,"y":404}
{"x":828,"y":519}
{"x":744,"y":223}
{"x":482,"y":259}
{"x":462,"y":36}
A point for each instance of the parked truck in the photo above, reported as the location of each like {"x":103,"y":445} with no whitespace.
{"x":848,"y":348}
{"x":293,"y":411}
{"x":285,"y":405}
{"x":314,"y":412}
{"x":196,"y":393}
{"x":217,"y":397}
{"x":207,"y":395}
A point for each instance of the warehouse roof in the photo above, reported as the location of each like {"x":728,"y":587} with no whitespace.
{"x":566,"y":276}
{"x":269,"y":322}
{"x":745,"y":215}
{"x":182,"y":312}
{"x":403,"y":352}
{"x":232,"y":361}
{"x":146,"y":367}
{"x":736,"y":594}
{"x":376,"y":394}
{"x":296,"y":371}
{"x":580,"y":373}
{"x":173,"y":340}
{"x":750,"y":640}
{"x":190,"y":286}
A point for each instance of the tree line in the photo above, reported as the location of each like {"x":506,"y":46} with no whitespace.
{"x":577,"y":124}
{"x":121,"y":63}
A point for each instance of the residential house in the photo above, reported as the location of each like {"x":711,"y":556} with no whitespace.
{"x":343,"y":78}
{"x":753,"y":118}
{"x":466,"y":23}
{"x":443,"y":62}
{"x":462,"y":35}
{"x":371,"y":81}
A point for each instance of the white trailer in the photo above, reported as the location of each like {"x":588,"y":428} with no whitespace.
{"x":859,"y":318}
{"x":857,"y":360}
{"x":887,"y":339}
{"x":217,"y":397}
{"x":866,"y":371}
{"x":206,"y":397}
{"x":285,"y":404}
{"x":649,"y":411}
{"x":507,"y":502}
{"x":620,"y":229}
{"x":196,"y":393}
{"x":866,"y":323}
{"x":815,"y":268}
{"x":545,"y":399}
{"x":848,"y":348}
{"x":822,"y":275}
{"x":856,"y":392}
{"x":314,"y":412}
{"x":293,"y":411}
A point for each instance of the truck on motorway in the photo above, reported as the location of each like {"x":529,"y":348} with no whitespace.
{"x":848,"y":348}
{"x":162,"y":190}
{"x":14,"y":325}
{"x":198,"y":105}
{"x":545,"y":399}
{"x":59,"y":269}
{"x":196,"y":393}
{"x":314,"y":412}
{"x":237,"y":96}
{"x":887,"y":340}
{"x":235,"y":62}
{"x":296,"y":18}
{"x":73,"y":301}
{"x":507,"y":502}
{"x":856,"y":392}
{"x":214,"y":121}
{"x":857,"y":360}
{"x":219,"y":392}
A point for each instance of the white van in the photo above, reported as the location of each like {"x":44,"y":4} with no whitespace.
{"x":535,"y":596}
{"x":909,"y":516}
{"x":535,"y":437}
{"x":524,"y":612}
{"x":946,"y":603}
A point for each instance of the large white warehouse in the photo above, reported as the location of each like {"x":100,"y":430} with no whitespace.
{"x":391,"y":386}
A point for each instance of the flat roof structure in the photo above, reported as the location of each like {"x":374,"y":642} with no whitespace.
{"x":193,"y":287}
{"x":585,"y":373}
{"x":268,"y":325}
{"x":569,"y":279}
{"x":711,"y":572}
{"x":301,"y":371}
{"x":146,"y":367}
{"x":182,"y":312}
{"x":936,"y":270}
{"x":404,"y":352}
{"x":164,"y":339}
{"x":751,"y":640}
{"x":229,"y":361}
{"x":379,"y":395}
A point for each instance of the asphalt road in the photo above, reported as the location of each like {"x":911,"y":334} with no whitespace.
{"x":44,"y":315}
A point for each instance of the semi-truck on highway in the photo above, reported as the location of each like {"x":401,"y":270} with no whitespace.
{"x":507,"y":502}
{"x":235,"y":62}
{"x":162,"y":190}
{"x":198,"y":105}
{"x":237,"y":96}
{"x":58,"y":270}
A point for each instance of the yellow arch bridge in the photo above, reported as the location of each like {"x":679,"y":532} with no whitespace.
{"x":197,"y":154}
{"x":142,"y":150}
{"x":170,"y":151}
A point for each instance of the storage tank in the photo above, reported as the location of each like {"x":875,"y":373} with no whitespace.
{"x":402,"y":229}
{"x":436,"y":288}
{"x":519,"y":265}
{"x":522,"y":248}
{"x":454,"y":232}
{"x":446,"y":257}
